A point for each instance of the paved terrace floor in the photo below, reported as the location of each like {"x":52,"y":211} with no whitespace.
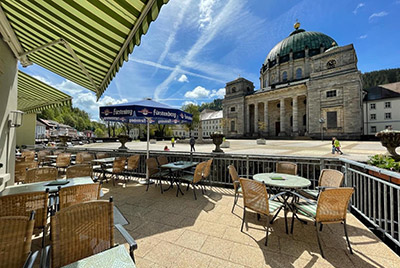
{"x":183,"y":232}
{"x":354,"y":150}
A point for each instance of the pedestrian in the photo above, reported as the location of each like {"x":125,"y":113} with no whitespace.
{"x":337,"y":146}
{"x":166,"y":148}
{"x":333,"y":145}
{"x":173,"y":142}
{"x":192,"y":142}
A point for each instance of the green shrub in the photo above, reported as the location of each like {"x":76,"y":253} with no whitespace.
{"x":384,"y":161}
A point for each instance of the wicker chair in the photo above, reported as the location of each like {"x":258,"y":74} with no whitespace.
{"x":155,"y":172}
{"x":331,"y":208}
{"x":117,"y":169}
{"x":20,"y":170}
{"x":286,"y":168}
{"x":195,"y":178}
{"x":84,"y":170}
{"x":83,"y":230}
{"x":28,"y":155}
{"x":102,"y":155}
{"x":132,"y":164}
{"x":41,"y":174}
{"x":255,"y":197}
{"x":23,"y":204}
{"x":329,"y":178}
{"x":42,"y":157}
{"x":162,"y":160}
{"x":72,"y":195}
{"x":84,"y":158}
{"x":63,"y":161}
{"x":236,"y":184}
{"x":15,"y":241}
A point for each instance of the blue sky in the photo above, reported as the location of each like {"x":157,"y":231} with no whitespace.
{"x":196,"y":46}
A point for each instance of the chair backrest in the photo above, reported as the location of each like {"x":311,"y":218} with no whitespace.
{"x":63,"y":160}
{"x":332,"y":204}
{"x":119,"y":165}
{"x":20,"y":169}
{"x":330,"y":178}
{"x":80,"y":231}
{"x":83,"y":170}
{"x":76,"y":194}
{"x":133,"y":162}
{"x":255,"y":195}
{"x":28,"y":155}
{"x":42,"y":155}
{"x":79,"y":157}
{"x":41,"y":174}
{"x":162,"y":160}
{"x":84,"y":158}
{"x":207,"y":169}
{"x":286,"y":168}
{"x":152,"y":166}
{"x":234,"y":176}
{"x":102,"y":155}
{"x":23,"y":204}
{"x":15,"y":239}
{"x":199,"y":172}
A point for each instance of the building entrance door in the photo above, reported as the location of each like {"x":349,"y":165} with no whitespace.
{"x":277,"y":128}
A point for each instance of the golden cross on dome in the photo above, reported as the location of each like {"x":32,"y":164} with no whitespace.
{"x":297,"y":24}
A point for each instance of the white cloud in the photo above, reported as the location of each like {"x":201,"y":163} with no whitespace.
{"x":363,"y":36}
{"x":183,"y":78}
{"x":189,"y":102}
{"x":220,"y":93}
{"x":198,"y":93}
{"x":377,"y":15}
{"x":206,"y":8}
{"x":360,"y":5}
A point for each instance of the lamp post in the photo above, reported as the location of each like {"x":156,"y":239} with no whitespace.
{"x":321,"y":122}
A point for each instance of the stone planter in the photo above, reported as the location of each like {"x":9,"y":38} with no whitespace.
{"x":384,"y":177}
{"x":153,"y":141}
{"x":63,"y":140}
{"x":391,"y":140}
{"x":217,"y":140}
{"x":226,"y":144}
{"x":123,"y":139}
{"x":261,"y":141}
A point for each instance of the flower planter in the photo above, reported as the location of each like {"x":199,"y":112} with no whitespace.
{"x":384,"y":177}
{"x":217,"y":140}
{"x":123,"y":139}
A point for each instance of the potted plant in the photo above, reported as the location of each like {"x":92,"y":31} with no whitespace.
{"x":261,"y":128}
{"x":391,"y":140}
{"x":384,"y":162}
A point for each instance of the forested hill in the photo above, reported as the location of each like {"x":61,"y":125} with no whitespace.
{"x":380,"y":77}
{"x":216,"y":105}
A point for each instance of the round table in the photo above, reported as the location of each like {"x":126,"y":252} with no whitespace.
{"x":283,"y":183}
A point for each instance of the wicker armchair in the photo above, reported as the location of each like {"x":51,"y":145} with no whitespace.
{"x":286,"y":168}
{"x":72,"y":195}
{"x":329,"y":178}
{"x":84,"y":158}
{"x":28,"y":155}
{"x":42,"y":157}
{"x":102,"y":155}
{"x":155,"y":172}
{"x":255,"y":197}
{"x":236,"y":184}
{"x":331,"y":208}
{"x":132,"y":164}
{"x":63,"y":161}
{"x":83,"y":230}
{"x":15,"y":241}
{"x":84,"y":170}
{"x":162,"y":160}
{"x":41,"y":174}
{"x":195,"y":178}
{"x":20,"y":170}
{"x":23,"y":204}
{"x":117,"y":169}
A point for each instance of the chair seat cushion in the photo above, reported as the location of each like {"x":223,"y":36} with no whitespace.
{"x":96,"y":167}
{"x":308,"y":193}
{"x":274,"y":205}
{"x":307,"y":209}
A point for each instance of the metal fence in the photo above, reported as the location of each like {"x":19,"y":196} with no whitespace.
{"x":375,"y":200}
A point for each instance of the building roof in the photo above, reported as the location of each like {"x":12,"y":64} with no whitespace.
{"x":385,"y":91}
{"x":209,"y":115}
{"x":86,"y":42}
{"x":297,"y":41}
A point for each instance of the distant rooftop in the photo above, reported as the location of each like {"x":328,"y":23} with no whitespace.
{"x":385,"y":91}
{"x":210,"y":114}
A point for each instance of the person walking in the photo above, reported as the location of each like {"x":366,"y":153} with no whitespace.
{"x":333,"y":145}
{"x":173,"y":142}
{"x":337,"y":146}
{"x":192,"y":142}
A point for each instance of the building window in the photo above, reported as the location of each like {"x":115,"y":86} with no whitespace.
{"x":304,"y":120}
{"x":372,"y":106}
{"x":233,"y":89}
{"x":265,"y":82}
{"x":331,"y":93}
{"x":373,"y":116}
{"x":232,"y":125}
{"x":299,"y":73}
{"x":373,"y":129}
{"x":331,"y":119}
{"x":387,"y":104}
{"x":284,"y":76}
{"x":388,"y":115}
{"x":388,"y":127}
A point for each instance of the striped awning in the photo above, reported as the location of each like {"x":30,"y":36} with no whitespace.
{"x":85,"y":41}
{"x":35,"y":96}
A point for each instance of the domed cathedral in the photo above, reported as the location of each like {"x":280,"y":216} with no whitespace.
{"x":308,"y":84}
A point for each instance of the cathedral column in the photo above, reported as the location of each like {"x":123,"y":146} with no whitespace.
{"x":266,"y":116}
{"x":247,"y":118}
{"x":256,"y":117}
{"x":295,"y":117}
{"x":282,"y":117}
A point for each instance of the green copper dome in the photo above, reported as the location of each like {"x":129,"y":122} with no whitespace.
{"x":297,"y":42}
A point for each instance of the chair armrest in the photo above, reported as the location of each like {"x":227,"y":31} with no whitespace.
{"x":132,"y":243}
{"x":45,"y":257}
{"x":321,"y":188}
{"x":31,"y":259}
{"x":312,"y":202}
{"x":246,"y":177}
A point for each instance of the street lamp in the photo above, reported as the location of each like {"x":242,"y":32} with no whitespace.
{"x":322,"y":121}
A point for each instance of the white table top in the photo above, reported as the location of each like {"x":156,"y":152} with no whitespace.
{"x":282,"y":180}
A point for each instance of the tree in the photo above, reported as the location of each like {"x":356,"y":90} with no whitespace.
{"x":194,"y":110}
{"x":99,"y":132}
{"x":216,"y":105}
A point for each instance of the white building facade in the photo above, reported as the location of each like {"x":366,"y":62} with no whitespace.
{"x":211,"y":121}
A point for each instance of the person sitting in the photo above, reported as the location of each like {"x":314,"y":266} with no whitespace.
{"x":166,"y":148}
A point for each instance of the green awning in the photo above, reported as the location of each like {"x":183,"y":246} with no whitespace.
{"x":34,"y":95}
{"x":85,"y":41}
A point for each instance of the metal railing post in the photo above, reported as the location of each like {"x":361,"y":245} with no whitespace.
{"x":247,"y":166}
